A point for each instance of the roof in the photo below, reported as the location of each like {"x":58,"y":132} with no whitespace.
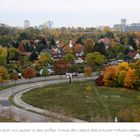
{"x":132,"y":54}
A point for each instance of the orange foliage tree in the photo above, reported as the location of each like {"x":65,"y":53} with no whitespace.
{"x":130,"y":78}
{"x":61,"y":67}
{"x":120,"y":75}
{"x":29,"y":73}
{"x":110,"y":75}
{"x":77,"y":48}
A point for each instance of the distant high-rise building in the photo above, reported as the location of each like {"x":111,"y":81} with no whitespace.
{"x":134,"y":27}
{"x":26,"y":24}
{"x":123,"y":21}
{"x":50,"y":24}
{"x":47,"y":24}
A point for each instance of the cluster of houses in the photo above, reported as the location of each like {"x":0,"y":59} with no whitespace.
{"x":58,"y":49}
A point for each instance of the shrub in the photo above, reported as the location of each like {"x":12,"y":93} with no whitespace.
{"x":89,"y":88}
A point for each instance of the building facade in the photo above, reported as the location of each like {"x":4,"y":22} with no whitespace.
{"x":134,"y":27}
{"x":26,"y":24}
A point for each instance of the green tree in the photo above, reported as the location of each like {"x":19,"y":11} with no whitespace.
{"x":45,"y":72}
{"x":68,"y":57}
{"x":13,"y":54}
{"x":2,"y":60}
{"x":95,"y":59}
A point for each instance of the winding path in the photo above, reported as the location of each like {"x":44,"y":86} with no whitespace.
{"x":25,"y":112}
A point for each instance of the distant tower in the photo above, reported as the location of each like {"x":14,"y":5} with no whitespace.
{"x":123,"y":21}
{"x":50,"y":24}
{"x":26,"y":24}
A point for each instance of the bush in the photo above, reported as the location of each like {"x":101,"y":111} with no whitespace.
{"x":99,"y":81}
{"x":89,"y":88}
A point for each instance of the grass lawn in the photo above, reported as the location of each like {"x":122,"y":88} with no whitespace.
{"x":85,"y":101}
{"x":4,"y":87}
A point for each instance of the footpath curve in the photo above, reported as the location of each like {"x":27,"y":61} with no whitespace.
{"x":26,"y":112}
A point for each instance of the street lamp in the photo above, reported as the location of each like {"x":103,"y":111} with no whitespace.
{"x":70,"y":78}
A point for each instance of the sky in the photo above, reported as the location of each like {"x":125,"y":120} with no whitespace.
{"x":68,"y":13}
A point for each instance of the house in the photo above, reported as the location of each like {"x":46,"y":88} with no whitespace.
{"x":137,"y":56}
{"x":79,"y":50}
{"x":134,"y":55}
{"x":105,"y":40}
{"x":78,"y":61}
{"x":56,"y":53}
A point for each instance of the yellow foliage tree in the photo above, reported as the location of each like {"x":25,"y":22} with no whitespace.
{"x":3,"y":75}
{"x":113,"y":43}
{"x":130,"y":78}
{"x":120,"y":77}
{"x":110,"y":75}
{"x":3,"y":52}
{"x":44,"y":58}
{"x":123,"y":66}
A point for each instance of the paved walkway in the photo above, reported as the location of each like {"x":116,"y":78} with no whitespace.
{"x":27,"y":112}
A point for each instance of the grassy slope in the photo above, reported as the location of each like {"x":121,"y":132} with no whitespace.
{"x":102,"y":103}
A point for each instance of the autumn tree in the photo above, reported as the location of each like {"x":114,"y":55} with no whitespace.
{"x":130,"y":78}
{"x":88,"y":46}
{"x":3,"y":51}
{"x":67,"y":50}
{"x":95,"y":59}
{"x":61,"y":67}
{"x":110,"y":76}
{"x":14,"y":76}
{"x":77,"y":48}
{"x":29,"y":73}
{"x":21,"y":47}
{"x":88,"y":71}
{"x":3,"y":55}
{"x":44,"y":59}
{"x":3,"y":75}
{"x":121,"y":75}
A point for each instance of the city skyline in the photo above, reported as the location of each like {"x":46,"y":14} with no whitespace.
{"x":69,"y":13}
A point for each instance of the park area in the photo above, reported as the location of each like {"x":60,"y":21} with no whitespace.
{"x":83,"y":100}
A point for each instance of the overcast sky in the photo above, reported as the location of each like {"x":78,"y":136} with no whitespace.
{"x":69,"y":12}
